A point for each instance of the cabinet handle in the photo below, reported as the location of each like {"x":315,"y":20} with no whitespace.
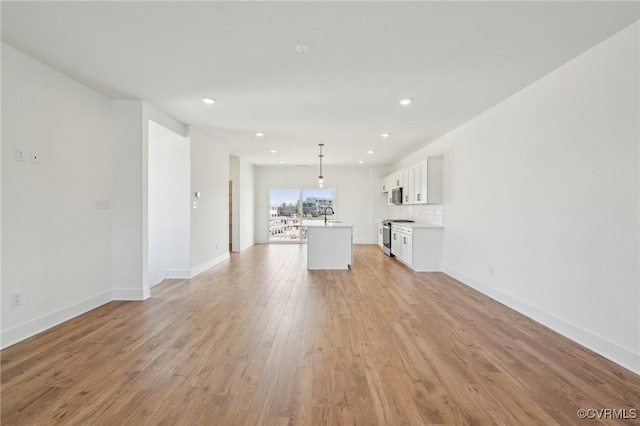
{"x":397,"y":183}
{"x":395,"y":236}
{"x":419,"y":197}
{"x":406,"y":198}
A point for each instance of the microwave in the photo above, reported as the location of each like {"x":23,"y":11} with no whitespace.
{"x":396,"y":196}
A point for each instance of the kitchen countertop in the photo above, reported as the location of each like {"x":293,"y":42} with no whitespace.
{"x":321,"y":224}
{"x":420,"y":225}
{"x":417,"y":225}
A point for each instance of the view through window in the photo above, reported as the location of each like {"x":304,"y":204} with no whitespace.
{"x":289,"y":206}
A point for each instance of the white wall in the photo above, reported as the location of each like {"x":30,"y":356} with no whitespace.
{"x":234,"y":177}
{"x":242,"y":178}
{"x":129,"y":198}
{"x":357,"y":196}
{"x":210,"y":221}
{"x":56,"y":247}
{"x":130,"y":210}
{"x":64,"y":255}
{"x":544,"y":189}
{"x":246,"y":195}
{"x":169,"y":204}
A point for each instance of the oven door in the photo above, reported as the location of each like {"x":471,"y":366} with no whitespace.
{"x":386,"y":239}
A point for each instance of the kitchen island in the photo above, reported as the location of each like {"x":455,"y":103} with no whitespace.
{"x":330,"y":245}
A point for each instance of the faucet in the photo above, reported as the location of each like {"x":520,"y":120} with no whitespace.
{"x":325,"y":213}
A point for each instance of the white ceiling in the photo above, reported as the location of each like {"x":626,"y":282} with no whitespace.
{"x":455,"y":59}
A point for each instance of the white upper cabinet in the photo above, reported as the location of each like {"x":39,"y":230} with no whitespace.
{"x":397,"y":179}
{"x":420,"y":183}
{"x":389,"y":182}
{"x":385,"y":184}
{"x":408,"y":190}
{"x":404,"y":179}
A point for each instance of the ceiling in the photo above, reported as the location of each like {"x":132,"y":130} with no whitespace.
{"x":454,"y":59}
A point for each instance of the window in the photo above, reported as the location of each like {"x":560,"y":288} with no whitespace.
{"x":289,"y":206}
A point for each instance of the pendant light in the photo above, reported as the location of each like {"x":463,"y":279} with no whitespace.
{"x":320,"y":177}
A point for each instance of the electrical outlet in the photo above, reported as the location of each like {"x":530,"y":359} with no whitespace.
{"x":16,"y":298}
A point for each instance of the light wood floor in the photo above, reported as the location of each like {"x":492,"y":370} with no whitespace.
{"x":261,"y":340}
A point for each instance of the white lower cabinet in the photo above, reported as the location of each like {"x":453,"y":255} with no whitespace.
{"x":380,"y":236}
{"x":406,"y":249}
{"x":396,"y":246}
{"x":418,"y":247}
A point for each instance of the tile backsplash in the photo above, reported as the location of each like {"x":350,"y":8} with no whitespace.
{"x":431,"y":214}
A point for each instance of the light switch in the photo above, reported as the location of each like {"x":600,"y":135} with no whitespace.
{"x":102,"y":204}
{"x":19,"y":154}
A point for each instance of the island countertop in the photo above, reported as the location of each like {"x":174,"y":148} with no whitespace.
{"x":321,"y":224}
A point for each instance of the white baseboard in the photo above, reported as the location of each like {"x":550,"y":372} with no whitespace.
{"x":246,"y":246}
{"x":131,"y":293}
{"x":177,"y":273}
{"x":621,"y":356}
{"x":197,"y":270}
{"x":45,"y":322}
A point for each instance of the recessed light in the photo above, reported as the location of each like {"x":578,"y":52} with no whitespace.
{"x":361,"y":161}
{"x":385,"y":135}
{"x":405,"y":102}
{"x":209,"y":101}
{"x":258,"y":134}
{"x":281,"y":161}
{"x":273,"y":151}
{"x":370,"y":151}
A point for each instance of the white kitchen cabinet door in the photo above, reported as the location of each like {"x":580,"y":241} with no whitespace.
{"x":427,"y":181}
{"x":396,"y":242}
{"x":407,"y":249}
{"x":420,"y":183}
{"x":397,"y":179}
{"x":408,"y":188}
{"x":380,"y":236}
{"x":385,"y":184}
{"x":404,"y":177}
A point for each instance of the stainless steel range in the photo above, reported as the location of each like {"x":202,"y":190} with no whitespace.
{"x":386,"y":233}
